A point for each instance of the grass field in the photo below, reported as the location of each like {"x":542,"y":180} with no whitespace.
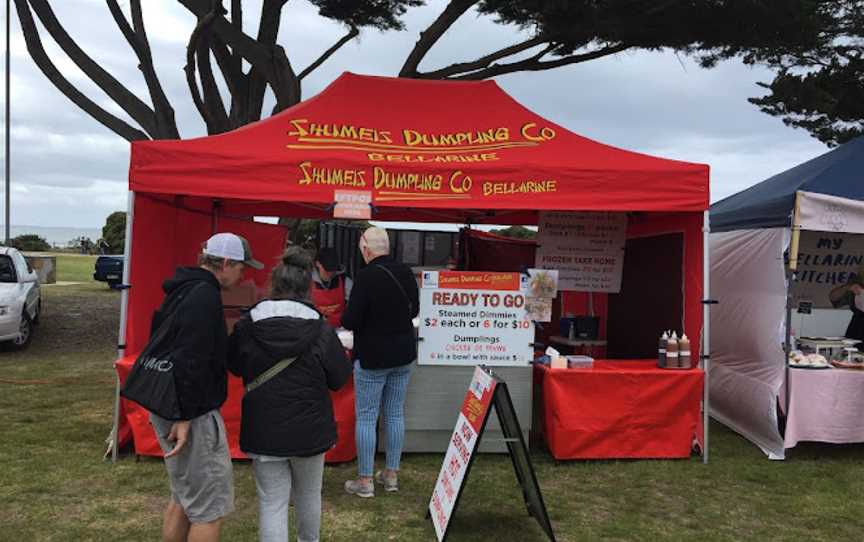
{"x":75,"y":268}
{"x":55,"y":407}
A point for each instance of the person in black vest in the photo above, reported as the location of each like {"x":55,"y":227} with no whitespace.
{"x":289,"y":358}
{"x":383,"y":302}
{"x":196,"y":448}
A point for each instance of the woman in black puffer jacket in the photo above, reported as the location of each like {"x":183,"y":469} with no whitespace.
{"x":287,"y":421}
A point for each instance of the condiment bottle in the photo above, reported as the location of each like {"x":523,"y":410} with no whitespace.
{"x":672,"y":351}
{"x":684,"y":352}
{"x":661,"y":351}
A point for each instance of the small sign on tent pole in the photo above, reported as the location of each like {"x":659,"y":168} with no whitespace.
{"x":353,"y":204}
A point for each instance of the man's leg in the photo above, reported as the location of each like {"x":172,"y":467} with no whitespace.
{"x":205,"y":532}
{"x":175,"y":525}
{"x":368,"y":386}
{"x":393,"y":412}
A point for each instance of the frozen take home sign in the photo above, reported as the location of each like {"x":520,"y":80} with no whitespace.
{"x":587,"y":249}
{"x":474,"y":317}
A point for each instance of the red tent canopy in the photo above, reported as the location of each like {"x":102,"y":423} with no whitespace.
{"x":427,"y":150}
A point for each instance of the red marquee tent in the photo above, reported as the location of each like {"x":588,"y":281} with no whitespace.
{"x":427,"y":151}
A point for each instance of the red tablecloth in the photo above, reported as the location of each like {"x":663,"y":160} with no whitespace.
{"x":620,"y":409}
{"x":146,"y":444}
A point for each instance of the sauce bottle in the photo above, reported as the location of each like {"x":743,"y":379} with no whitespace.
{"x":672,"y":351}
{"x":661,"y":351}
{"x":684,"y":352}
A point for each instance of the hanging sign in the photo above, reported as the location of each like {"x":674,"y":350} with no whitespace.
{"x":353,"y":204}
{"x":474,"y":317}
{"x":587,"y":249}
{"x":826,"y":261}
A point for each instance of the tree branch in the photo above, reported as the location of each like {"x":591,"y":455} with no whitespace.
{"x":137,"y":109}
{"x":329,"y":52}
{"x":37,"y":52}
{"x":235,"y":79}
{"x":191,"y":80}
{"x":268,"y":31}
{"x":212,"y":97}
{"x":428,"y":38}
{"x":137,"y":38}
{"x":483,"y":61}
{"x":535,"y":64}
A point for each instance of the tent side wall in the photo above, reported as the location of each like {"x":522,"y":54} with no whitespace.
{"x":164,"y":237}
{"x":747,"y":359}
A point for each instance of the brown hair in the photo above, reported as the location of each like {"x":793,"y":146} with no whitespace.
{"x":292,"y":277}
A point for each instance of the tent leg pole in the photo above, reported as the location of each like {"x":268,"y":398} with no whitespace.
{"x":706,"y":333}
{"x":121,"y":333}
{"x":791,"y":270}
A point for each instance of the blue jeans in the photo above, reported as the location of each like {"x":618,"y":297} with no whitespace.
{"x":380,"y":390}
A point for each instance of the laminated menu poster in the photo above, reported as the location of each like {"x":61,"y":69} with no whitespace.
{"x":462,"y":445}
{"x":474,"y":317}
{"x":587,"y":249}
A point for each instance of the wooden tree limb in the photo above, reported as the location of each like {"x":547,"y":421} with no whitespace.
{"x":430,"y":36}
{"x":190,"y":68}
{"x":484,"y":61}
{"x":212,"y":97}
{"x":329,"y":52}
{"x":236,"y":81}
{"x":137,"y":109}
{"x":288,"y":90}
{"x":37,"y":52}
{"x":268,"y":31}
{"x":535,"y":64}
{"x":137,"y":38}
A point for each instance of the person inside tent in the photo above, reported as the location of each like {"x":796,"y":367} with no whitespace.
{"x":851,"y":294}
{"x":330,"y":286}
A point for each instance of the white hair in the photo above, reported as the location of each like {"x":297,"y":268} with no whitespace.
{"x":377,"y":241}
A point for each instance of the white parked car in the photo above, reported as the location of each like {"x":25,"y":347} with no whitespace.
{"x":20,"y":298}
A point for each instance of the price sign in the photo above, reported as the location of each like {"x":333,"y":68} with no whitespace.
{"x":472,"y":318}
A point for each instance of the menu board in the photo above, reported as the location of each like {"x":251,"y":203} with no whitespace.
{"x":474,"y":317}
{"x":587,"y":249}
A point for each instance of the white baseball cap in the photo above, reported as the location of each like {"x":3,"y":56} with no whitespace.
{"x":232,"y":247}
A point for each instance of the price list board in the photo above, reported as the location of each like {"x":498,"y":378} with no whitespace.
{"x":587,"y":249}
{"x":472,"y":317}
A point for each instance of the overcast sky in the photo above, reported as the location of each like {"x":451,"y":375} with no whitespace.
{"x":68,"y":170}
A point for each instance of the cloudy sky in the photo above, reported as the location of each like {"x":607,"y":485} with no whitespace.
{"x":67,"y":170}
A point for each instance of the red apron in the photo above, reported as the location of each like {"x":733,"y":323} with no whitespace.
{"x":331,"y":303}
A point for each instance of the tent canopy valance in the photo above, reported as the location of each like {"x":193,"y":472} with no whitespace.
{"x":426,"y":150}
{"x":831,"y":188}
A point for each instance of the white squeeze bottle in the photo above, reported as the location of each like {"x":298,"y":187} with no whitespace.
{"x":672,"y":351}
{"x":684,"y":352}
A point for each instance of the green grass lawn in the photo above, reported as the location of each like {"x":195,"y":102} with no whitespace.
{"x":75,"y":268}
{"x":55,"y":413}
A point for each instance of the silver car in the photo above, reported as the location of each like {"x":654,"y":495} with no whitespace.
{"x":20,"y":298}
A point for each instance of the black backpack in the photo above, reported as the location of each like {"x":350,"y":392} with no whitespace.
{"x":151,"y":382}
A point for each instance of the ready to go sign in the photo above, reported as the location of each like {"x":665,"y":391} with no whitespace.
{"x":474,"y":317}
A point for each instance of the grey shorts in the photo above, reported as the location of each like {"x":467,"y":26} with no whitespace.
{"x":202,"y":479}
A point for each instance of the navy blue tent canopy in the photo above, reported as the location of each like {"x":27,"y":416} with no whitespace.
{"x":770,"y":203}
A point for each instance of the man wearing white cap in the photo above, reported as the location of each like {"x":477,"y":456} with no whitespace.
{"x":195,"y":445}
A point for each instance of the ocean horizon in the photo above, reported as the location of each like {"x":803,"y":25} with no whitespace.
{"x":57,"y":236}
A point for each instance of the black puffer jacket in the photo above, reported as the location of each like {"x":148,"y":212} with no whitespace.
{"x":291,"y":414}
